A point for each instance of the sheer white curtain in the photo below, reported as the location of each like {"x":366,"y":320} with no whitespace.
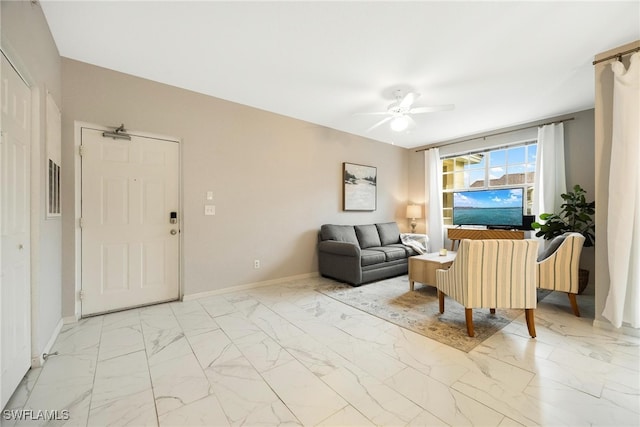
{"x":550,"y":180}
{"x":433,"y":198}
{"x":623,"y":225}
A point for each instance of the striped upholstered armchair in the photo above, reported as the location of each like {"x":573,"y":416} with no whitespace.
{"x":492,"y":274}
{"x":558,"y":266}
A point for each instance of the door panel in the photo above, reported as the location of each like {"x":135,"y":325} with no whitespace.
{"x":152,"y":197}
{"x":15,"y":297}
{"x":129,"y":188}
{"x":154,"y":253}
{"x":115,"y":201}
{"x":115,"y":271}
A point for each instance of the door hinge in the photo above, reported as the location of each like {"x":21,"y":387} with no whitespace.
{"x":81,"y":150}
{"x":81,"y":222}
{"x":81,"y":294}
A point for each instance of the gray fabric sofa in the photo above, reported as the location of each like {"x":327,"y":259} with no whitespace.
{"x":357,"y":254}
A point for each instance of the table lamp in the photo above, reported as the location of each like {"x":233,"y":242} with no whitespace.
{"x":414,"y":212}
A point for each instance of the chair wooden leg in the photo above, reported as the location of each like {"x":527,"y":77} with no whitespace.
{"x":441,"y":301}
{"x":468,"y":316}
{"x":492,"y":310}
{"x":574,"y":304}
{"x":531,"y":323}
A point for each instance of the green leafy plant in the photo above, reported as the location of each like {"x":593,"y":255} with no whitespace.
{"x":576,"y":215}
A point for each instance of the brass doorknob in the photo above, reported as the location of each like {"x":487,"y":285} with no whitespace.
{"x":174,"y":232}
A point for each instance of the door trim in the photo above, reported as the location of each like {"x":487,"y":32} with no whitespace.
{"x":77,"y":233}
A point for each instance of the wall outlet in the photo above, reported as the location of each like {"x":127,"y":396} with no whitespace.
{"x":256,"y":263}
{"x":209,"y":210}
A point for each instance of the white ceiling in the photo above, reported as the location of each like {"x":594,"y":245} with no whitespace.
{"x":500,"y":63}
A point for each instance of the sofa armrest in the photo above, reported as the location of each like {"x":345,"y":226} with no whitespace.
{"x":339,"y":248}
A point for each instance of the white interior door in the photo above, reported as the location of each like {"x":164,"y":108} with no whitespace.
{"x":130,"y":248}
{"x":15,"y":314}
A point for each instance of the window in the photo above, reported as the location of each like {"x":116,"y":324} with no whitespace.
{"x":513,"y":166}
{"x":53,"y":192}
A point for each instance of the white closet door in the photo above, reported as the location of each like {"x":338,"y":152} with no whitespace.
{"x":15,"y":314}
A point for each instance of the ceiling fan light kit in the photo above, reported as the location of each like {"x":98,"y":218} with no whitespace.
{"x":399,"y":123}
{"x":401,"y":110}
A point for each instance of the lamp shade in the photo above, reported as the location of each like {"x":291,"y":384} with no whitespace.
{"x":414,"y":211}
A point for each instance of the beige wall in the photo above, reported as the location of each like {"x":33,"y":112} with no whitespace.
{"x":30,"y":47}
{"x":603,"y":129}
{"x":579,"y":154}
{"x":274,"y":179}
{"x":416,"y":188}
{"x":579,"y":158}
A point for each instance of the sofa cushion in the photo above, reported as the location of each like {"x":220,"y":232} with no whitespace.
{"x":551,"y":247}
{"x":409,"y":250}
{"x":341,"y":233}
{"x":367,"y":236}
{"x":369,"y":257}
{"x":391,"y":253}
{"x":389,"y":233}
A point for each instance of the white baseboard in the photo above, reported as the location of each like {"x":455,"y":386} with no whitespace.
{"x":38,"y":361}
{"x":626,"y":330}
{"x":247,"y":286}
{"x":70,"y":319}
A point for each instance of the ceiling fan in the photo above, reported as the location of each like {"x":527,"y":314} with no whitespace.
{"x":400,"y":111}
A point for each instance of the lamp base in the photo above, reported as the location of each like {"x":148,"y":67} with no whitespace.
{"x":413,"y":226}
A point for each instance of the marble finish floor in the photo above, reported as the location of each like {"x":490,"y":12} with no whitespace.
{"x":288,"y":355}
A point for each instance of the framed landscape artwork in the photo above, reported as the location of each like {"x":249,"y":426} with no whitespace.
{"x":359,"y":187}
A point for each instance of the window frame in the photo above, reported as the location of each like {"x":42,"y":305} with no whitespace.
{"x":483,"y":156}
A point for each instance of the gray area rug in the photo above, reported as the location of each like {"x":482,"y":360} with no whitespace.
{"x":418,"y":311}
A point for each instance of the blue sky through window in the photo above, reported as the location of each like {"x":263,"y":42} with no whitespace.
{"x":501,"y":198}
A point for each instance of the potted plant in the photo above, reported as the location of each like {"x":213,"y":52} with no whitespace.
{"x":576,"y":215}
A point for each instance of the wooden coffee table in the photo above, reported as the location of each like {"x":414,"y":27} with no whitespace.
{"x":422,"y":268}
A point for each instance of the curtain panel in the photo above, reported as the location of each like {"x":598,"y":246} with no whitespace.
{"x":550,"y":180}
{"x":433,"y":198}
{"x":623,"y":224}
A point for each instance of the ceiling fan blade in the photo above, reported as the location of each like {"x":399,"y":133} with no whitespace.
{"x":408,"y":100}
{"x":431,"y":109}
{"x":380,"y":123}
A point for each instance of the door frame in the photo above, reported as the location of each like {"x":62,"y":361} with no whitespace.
{"x":77,"y":232}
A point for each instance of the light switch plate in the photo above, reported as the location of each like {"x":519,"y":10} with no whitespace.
{"x":209,"y":195}
{"x":209,"y":210}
